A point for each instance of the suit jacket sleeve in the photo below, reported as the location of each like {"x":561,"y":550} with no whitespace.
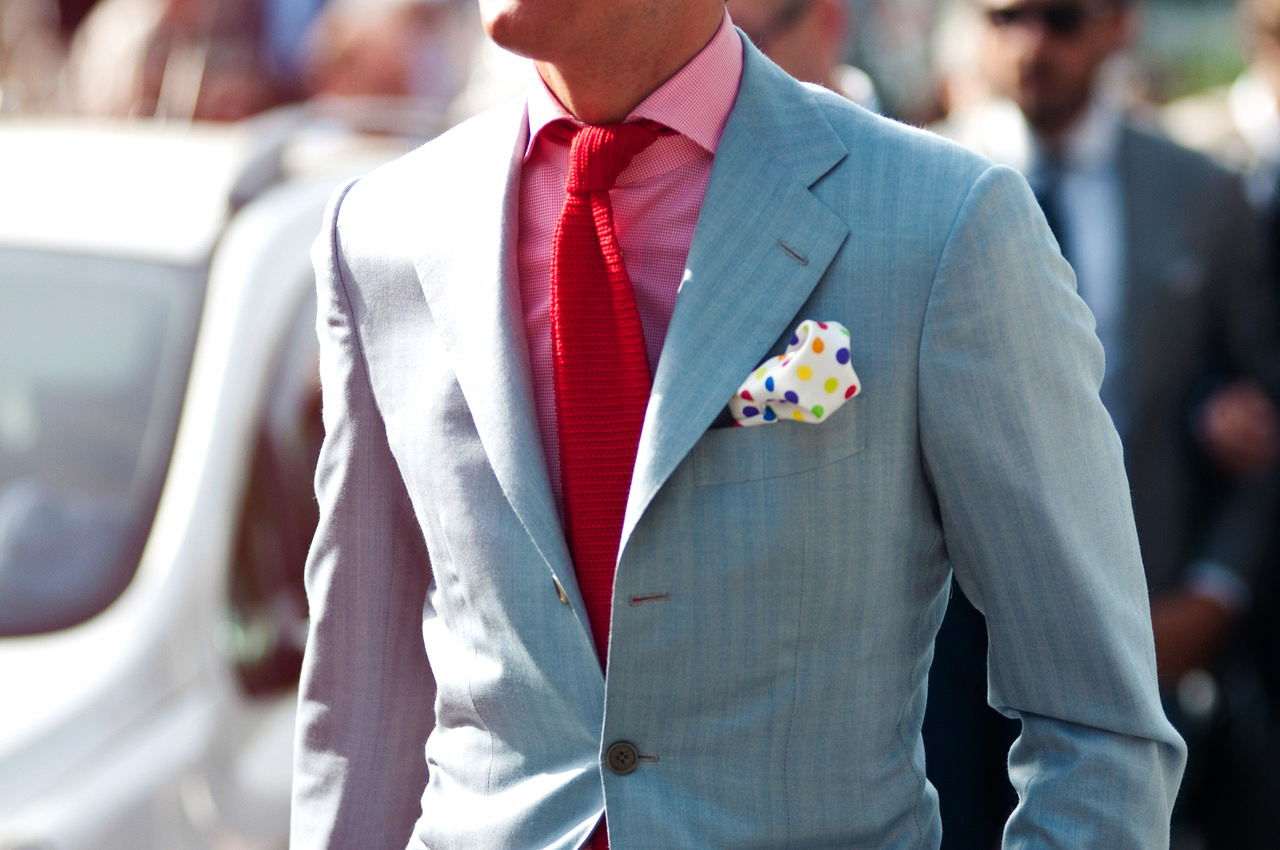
{"x":367,"y":692}
{"x":1033,"y":499}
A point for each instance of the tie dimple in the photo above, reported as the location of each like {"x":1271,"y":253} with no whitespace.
{"x":599,"y":153}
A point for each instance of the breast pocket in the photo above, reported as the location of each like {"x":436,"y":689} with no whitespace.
{"x":727,"y":455}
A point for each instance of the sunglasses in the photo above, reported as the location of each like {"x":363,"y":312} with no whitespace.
{"x":1063,"y":20}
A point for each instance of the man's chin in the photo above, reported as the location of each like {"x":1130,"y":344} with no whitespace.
{"x":511,"y":28}
{"x":1043,"y":114}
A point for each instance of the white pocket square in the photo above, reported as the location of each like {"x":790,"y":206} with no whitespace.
{"x":806,"y":383}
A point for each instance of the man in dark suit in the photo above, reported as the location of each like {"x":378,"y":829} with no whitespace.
{"x":727,"y":644}
{"x":1170,"y":260}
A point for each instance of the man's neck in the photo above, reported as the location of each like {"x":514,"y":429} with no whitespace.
{"x":605,"y":87}
{"x":1088,"y":142}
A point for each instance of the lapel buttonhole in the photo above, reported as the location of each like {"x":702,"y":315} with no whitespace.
{"x":793,"y":253}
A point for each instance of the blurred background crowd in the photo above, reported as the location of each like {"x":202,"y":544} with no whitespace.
{"x":227,"y":59}
{"x":1150,"y":134}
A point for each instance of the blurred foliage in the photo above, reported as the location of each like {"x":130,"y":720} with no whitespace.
{"x":1187,"y":46}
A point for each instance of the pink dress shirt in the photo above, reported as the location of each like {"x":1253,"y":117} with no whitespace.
{"x":656,"y":202}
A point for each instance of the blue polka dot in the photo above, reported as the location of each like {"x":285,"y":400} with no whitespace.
{"x":750,"y":411}
{"x":842,"y":356}
{"x":792,"y":397}
{"x":768,"y":383}
{"x":795,"y":339}
{"x":769,"y":415}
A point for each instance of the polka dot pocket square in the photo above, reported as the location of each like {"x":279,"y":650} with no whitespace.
{"x":808,"y":382}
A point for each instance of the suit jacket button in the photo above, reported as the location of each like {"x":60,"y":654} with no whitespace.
{"x":622,"y":758}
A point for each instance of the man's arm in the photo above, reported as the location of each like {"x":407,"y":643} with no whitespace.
{"x":366,"y":703}
{"x":1236,"y":428}
{"x":1035,"y":509}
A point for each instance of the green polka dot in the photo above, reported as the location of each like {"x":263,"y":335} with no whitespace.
{"x":844,"y":331}
{"x":817,"y":411}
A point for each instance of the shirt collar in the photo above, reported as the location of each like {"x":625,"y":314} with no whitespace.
{"x":1254,"y":110}
{"x":695,"y":102}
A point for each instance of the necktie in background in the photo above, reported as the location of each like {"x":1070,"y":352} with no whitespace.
{"x":600,"y":366}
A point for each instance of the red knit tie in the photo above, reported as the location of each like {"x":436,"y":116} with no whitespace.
{"x":601,"y":368}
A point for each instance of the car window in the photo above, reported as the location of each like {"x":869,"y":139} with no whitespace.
{"x":94,"y":357}
{"x":267,"y":619}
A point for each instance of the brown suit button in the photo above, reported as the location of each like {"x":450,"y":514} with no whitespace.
{"x":622,"y":758}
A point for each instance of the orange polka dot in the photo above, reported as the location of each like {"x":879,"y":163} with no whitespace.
{"x":817,"y":346}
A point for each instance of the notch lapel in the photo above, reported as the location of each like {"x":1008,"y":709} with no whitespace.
{"x":468,"y":272}
{"x":762,"y":243}
{"x":1147,"y":251}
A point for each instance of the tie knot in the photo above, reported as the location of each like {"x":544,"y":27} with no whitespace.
{"x":598,"y":153}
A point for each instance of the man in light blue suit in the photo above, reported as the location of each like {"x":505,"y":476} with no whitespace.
{"x":777,"y":588}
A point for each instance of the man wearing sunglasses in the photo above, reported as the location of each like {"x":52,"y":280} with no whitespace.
{"x":1170,"y":261}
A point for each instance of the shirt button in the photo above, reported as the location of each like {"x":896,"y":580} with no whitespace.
{"x":622,"y":758}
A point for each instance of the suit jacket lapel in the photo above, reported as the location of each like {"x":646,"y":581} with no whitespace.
{"x":1145,"y":251}
{"x":762,"y":243}
{"x":468,"y":274}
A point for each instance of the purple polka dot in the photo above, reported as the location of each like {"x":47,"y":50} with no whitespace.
{"x":794,"y":339}
{"x":842,"y":356}
{"x":792,"y":397}
{"x":768,"y":383}
{"x":750,"y":411}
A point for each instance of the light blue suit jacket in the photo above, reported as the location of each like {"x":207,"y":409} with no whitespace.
{"x":774,"y":681}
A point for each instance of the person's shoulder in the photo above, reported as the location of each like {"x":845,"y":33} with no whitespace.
{"x":468,"y":154}
{"x":1186,"y":182}
{"x":1144,"y":140}
{"x":864,"y":128}
{"x":878,"y":149}
{"x":779,"y":102}
{"x":889,"y":160}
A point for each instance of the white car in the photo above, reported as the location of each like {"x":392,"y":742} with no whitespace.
{"x":159,"y":423}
